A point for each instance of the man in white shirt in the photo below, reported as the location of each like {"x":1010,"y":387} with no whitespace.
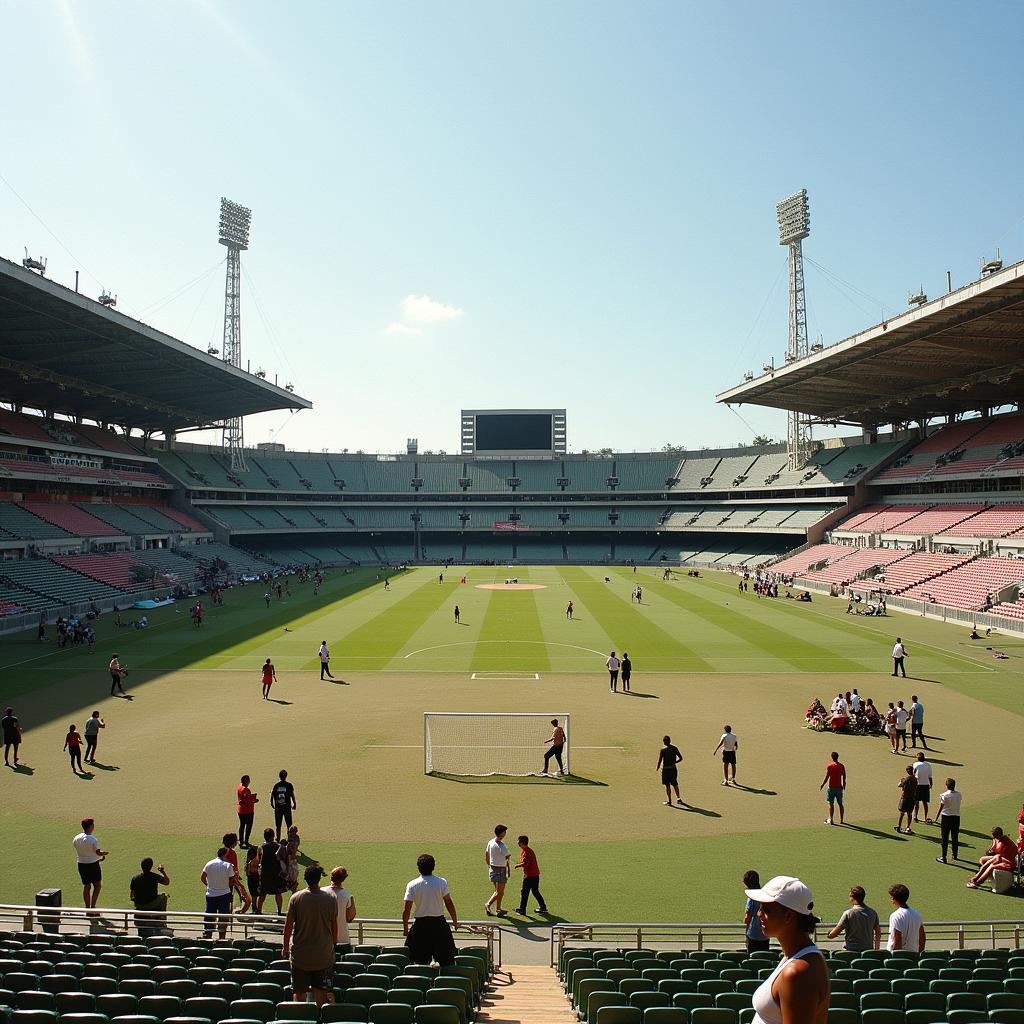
{"x":923,"y":774}
{"x":346,"y":907}
{"x":429,"y":937}
{"x":217,"y":877}
{"x":613,"y":664}
{"x":906,"y":929}
{"x":497,"y":857}
{"x":87,"y":846}
{"x":901,"y":726}
{"x":839,"y":704}
{"x":899,"y":652}
{"x":949,"y":820}
{"x":325,"y":660}
{"x":727,"y":744}
{"x":855,"y":701}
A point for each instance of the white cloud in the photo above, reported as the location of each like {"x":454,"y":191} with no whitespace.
{"x":396,"y":328}
{"x":422,"y":309}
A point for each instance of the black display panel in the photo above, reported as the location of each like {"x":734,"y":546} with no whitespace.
{"x":497,"y":432}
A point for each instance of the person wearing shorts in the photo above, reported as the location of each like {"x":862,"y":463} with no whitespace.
{"x":557,"y":741}
{"x":923,"y":774}
{"x":92,"y":736}
{"x":835,"y":777}
{"x":310,"y":932}
{"x":668,"y":761}
{"x":282,"y":799}
{"x":626,"y":669}
{"x":87,"y":847}
{"x":116,"y":672}
{"x":728,"y":744}
{"x":269,"y":678}
{"x":497,"y":857}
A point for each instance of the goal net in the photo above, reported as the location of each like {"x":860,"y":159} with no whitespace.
{"x":490,"y":744}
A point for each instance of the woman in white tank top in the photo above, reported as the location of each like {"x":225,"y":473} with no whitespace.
{"x":797,"y":991}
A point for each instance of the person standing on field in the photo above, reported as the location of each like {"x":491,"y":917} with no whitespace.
{"x":949,"y":820}
{"x":923,"y":774}
{"x":917,"y":722}
{"x":899,"y":652}
{"x":728,"y":744}
{"x":282,"y":799}
{"x":92,"y":735}
{"x":613,"y":665}
{"x":626,"y":669}
{"x":668,"y":763}
{"x":73,"y":745}
{"x":531,"y":877}
{"x":835,"y":776}
{"x":497,"y":857}
{"x":117,"y":670}
{"x":860,"y":924}
{"x":12,"y":736}
{"x":325,"y":660}
{"x":908,"y":799}
{"x":457,"y":615}
{"x":269,"y":678}
{"x":557,"y":745}
{"x":247,"y":801}
{"x":568,"y":610}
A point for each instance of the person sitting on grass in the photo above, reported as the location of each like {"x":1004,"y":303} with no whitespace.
{"x":1000,"y":856}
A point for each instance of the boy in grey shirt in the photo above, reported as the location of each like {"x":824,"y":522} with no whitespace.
{"x":860,"y":924}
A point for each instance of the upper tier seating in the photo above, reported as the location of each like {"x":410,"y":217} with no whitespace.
{"x":847,"y":569}
{"x":71,"y":518}
{"x":911,"y":571}
{"x":938,"y":518}
{"x":15,"y":424}
{"x":123,"y":518}
{"x":881,"y":518}
{"x":648,"y":474}
{"x":238,"y":561}
{"x":970,"y":585}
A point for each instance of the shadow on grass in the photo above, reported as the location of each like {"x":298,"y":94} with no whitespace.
{"x":517,"y":780}
{"x":948,"y":764}
{"x":875,"y":832}
{"x":274,"y":700}
{"x":756,"y":792}
{"x":104,"y":767}
{"x":339,"y":682}
{"x":637,"y":693}
{"x":85,"y":776}
{"x":694,"y":809}
{"x":23,"y":769}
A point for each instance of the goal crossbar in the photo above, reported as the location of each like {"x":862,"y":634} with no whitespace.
{"x":491,"y":743}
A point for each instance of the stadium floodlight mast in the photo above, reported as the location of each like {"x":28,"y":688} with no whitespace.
{"x":794,"y":219}
{"x":234,"y":234}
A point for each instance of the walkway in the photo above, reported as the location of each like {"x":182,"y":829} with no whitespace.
{"x":533,"y":997}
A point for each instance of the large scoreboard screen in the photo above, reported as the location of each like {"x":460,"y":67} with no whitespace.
{"x":513,"y":431}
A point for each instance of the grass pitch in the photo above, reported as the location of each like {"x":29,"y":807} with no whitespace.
{"x":703,"y":654}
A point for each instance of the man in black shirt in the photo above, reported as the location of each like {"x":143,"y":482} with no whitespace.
{"x":12,"y":736}
{"x":282,"y":799}
{"x":145,"y":895}
{"x":668,"y":761}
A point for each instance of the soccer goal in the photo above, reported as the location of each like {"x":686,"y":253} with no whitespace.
{"x":490,"y":744}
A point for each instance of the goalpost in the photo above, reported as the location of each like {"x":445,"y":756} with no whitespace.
{"x":491,"y":743}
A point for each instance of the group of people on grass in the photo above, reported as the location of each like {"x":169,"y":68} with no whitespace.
{"x":850,"y":713}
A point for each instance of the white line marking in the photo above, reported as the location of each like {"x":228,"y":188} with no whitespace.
{"x":487,"y":676}
{"x":463,"y":746}
{"x":469,"y":643}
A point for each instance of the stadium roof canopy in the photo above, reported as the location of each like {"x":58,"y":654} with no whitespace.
{"x":959,"y":353}
{"x":66,"y":353}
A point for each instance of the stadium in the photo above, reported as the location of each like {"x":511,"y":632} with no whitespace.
{"x":108,"y":518}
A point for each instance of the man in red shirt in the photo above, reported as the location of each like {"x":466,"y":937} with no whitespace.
{"x":835,"y":776}
{"x":247,"y":801}
{"x":531,"y":877}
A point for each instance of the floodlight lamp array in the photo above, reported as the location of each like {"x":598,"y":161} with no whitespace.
{"x":794,"y":217}
{"x":234,"y":225}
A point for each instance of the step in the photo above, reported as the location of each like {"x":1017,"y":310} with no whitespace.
{"x":534,"y":996}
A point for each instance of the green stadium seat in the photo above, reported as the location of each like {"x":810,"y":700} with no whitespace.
{"x":223,"y":990}
{"x":456,"y":997}
{"x":904,"y":986}
{"x":412,"y":981}
{"x":837,"y":1015}
{"x":251,"y":1009}
{"x":186,"y":1020}
{"x":431,"y":1013}
{"x":924,"y":1015}
{"x":673,"y":985}
{"x":408,"y":996}
{"x":665,"y":1015}
{"x":946,"y":986}
{"x":630,"y":985}
{"x":617,"y":974}
{"x":691,"y":1001}
{"x":390,"y":1013}
{"x":995,"y":1001}
{"x":984,"y":986}
{"x":714,"y":987}
{"x":95,"y":986}
{"x":342,"y":1013}
{"x":160,"y":1007}
{"x":58,"y":983}
{"x":265,"y":990}
{"x":365,"y":997}
{"x":138,"y":987}
{"x":965,"y":1016}
{"x":128,"y":972}
{"x":619,"y":1015}
{"x":732,"y":1001}
{"x":845,"y":1001}
{"x":213,"y":1009}
{"x":1006,"y":1016}
{"x":21,"y":981}
{"x":967,"y":1001}
{"x":33,"y":999}
{"x":880,"y":1001}
{"x":83,"y":1018}
{"x":881,"y":1016}
{"x":713,"y":1015}
{"x":924,"y":1001}
{"x":644,"y":1000}
{"x":34,"y":1017}
{"x":296,"y":1011}
{"x":76,"y":1002}
{"x":598,"y":998}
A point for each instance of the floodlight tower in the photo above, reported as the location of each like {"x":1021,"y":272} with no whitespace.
{"x":234,"y":234}
{"x":794,"y":226}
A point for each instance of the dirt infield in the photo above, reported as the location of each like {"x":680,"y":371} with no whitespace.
{"x":510,"y":586}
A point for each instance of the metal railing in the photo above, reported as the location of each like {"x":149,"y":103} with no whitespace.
{"x":264,"y":927}
{"x":648,"y":935}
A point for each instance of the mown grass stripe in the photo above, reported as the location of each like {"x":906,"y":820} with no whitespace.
{"x":511,"y":615}
{"x":643,"y":635}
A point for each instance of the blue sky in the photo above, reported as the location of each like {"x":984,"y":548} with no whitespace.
{"x":539,"y":204}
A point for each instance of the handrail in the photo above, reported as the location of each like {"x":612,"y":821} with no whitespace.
{"x":994,"y":934}
{"x":268,"y":927}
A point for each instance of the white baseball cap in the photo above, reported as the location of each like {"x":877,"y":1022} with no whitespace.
{"x":788,"y":892}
